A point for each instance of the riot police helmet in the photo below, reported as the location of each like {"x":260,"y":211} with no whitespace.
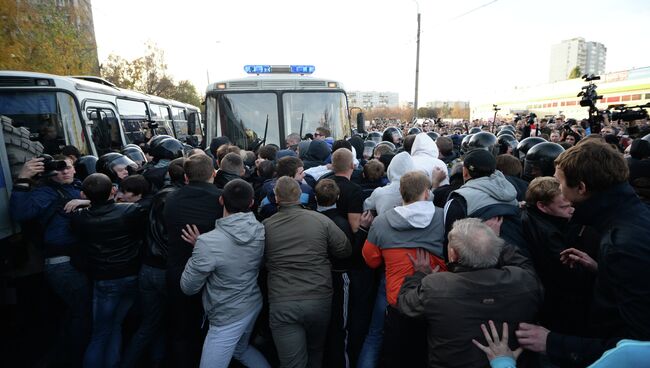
{"x":526,"y":144}
{"x":433,"y":135}
{"x":374,"y":136}
{"x":135,"y":153}
{"x":85,"y":166}
{"x":392,"y":135}
{"x":116,"y":166}
{"x":369,"y":149}
{"x":167,"y":149}
{"x":507,"y":144}
{"x":484,"y":140}
{"x":475,"y":130}
{"x":464,"y":144}
{"x":540,"y":160}
{"x":415,"y":130}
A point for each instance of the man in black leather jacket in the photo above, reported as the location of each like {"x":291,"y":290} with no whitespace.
{"x":152,"y":283}
{"x":197,"y":203}
{"x":110,"y":236}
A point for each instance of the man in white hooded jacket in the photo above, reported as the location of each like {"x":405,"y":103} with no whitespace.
{"x":425,"y":157}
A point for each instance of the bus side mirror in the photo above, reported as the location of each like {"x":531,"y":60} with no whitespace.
{"x":361,"y":122}
{"x":191,"y":123}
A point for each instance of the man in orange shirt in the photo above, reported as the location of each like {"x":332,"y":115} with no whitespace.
{"x":394,"y":239}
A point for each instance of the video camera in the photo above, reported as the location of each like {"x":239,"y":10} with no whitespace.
{"x":589,"y":98}
{"x":51,"y":166}
{"x":628,"y":113}
{"x":589,"y":95}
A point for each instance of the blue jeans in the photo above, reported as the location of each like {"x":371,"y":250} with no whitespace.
{"x":232,"y":340}
{"x":371,"y":350}
{"x":112,"y":300}
{"x":153,"y":302}
{"x":74,"y":288}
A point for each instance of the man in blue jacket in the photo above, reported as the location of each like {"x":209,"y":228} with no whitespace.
{"x":47,"y":202}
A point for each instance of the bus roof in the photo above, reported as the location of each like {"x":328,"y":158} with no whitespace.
{"x":274,"y":82}
{"x":21,"y":79}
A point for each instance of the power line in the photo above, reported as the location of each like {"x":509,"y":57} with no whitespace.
{"x":473,"y":10}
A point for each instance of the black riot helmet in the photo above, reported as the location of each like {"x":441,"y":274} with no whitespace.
{"x":475,"y":130}
{"x":415,"y":130}
{"x":526,"y":144}
{"x":392,"y":135}
{"x":85,"y":166}
{"x":135,"y":153}
{"x":116,"y":166}
{"x":506,"y":127}
{"x":507,"y":143}
{"x":464,"y":144}
{"x":506,"y":132}
{"x":484,"y":140}
{"x":369,"y":149}
{"x":374,"y":136}
{"x":433,"y":135}
{"x":540,"y":160}
{"x":388,"y":144}
{"x":167,"y":149}
{"x":646,"y":138}
{"x":157,"y":139}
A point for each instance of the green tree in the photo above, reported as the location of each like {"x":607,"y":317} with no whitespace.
{"x":575,"y":73}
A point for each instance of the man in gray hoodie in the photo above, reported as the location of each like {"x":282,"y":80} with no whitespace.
{"x":225,"y":263}
{"x":486,"y":194}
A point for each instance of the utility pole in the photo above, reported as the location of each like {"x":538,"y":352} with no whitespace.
{"x":417,"y":68}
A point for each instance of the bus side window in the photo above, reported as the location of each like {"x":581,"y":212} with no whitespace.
{"x":105,"y":130}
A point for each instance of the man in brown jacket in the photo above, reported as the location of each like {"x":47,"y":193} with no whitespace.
{"x":298,"y":242}
{"x":487,"y":280}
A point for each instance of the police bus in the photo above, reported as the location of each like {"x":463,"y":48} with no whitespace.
{"x":273,"y":102}
{"x":91,"y":113}
{"x":41,"y":113}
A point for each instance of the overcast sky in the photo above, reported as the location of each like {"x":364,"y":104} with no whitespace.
{"x":370,"y":44}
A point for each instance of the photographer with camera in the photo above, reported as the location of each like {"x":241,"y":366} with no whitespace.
{"x":42,"y":197}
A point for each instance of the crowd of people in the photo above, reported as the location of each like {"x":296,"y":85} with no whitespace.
{"x":465,"y":245}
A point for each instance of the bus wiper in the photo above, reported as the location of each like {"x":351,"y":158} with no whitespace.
{"x":258,"y":143}
{"x":302,"y":120}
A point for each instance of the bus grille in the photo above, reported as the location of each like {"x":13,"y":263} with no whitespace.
{"x":312,"y":83}
{"x":17,"y":82}
{"x":243,"y":84}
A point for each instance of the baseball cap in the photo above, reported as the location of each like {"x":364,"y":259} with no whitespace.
{"x":480,"y":163}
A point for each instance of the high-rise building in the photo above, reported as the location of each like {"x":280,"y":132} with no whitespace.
{"x":368,"y":100}
{"x":587,"y":55}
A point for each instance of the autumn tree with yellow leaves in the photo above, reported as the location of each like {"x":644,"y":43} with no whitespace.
{"x":53,"y":37}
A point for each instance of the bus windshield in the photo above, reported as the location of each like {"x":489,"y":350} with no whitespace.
{"x":315,"y":109}
{"x":242,"y":116}
{"x":50,"y":117}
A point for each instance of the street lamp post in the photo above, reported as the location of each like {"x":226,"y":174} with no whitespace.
{"x":417,"y":67}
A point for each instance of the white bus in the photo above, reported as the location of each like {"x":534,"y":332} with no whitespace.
{"x":90,"y":113}
{"x":273,"y":102}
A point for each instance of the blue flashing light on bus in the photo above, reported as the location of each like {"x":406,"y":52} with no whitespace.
{"x":277,"y":69}
{"x":257,"y":69}
{"x":303,"y":69}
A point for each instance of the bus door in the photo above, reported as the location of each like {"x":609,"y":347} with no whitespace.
{"x":105,"y":127}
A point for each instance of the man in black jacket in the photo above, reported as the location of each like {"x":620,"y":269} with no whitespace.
{"x":110,"y":236}
{"x":152,"y":277}
{"x":231,"y":167}
{"x":593,"y":176}
{"x":548,"y":232}
{"x":197,"y":203}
